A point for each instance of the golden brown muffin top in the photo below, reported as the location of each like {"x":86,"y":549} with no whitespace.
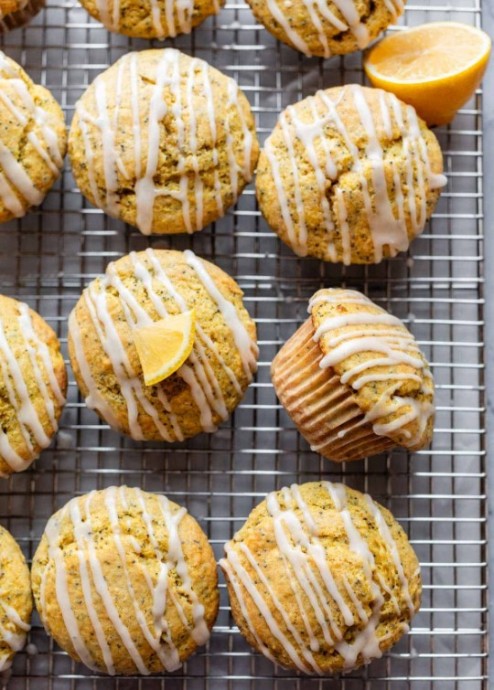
{"x":379,"y":359}
{"x":33,"y":381}
{"x":152,"y":18}
{"x":332,"y":27}
{"x":349,"y":175}
{"x":125,"y":581}
{"x":15,"y":599}
{"x":32,"y":141}
{"x":163,"y":141}
{"x":137,"y":290}
{"x":321,"y":578}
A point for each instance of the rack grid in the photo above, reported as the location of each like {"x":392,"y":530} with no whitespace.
{"x":437,"y":289}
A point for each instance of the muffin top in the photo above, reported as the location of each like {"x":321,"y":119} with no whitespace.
{"x":15,"y":599}
{"x":32,"y":141}
{"x":349,"y":175}
{"x":136,"y":291}
{"x":33,"y":381}
{"x":125,"y":581}
{"x":151,"y":18}
{"x":327,"y":28}
{"x":9,"y":6}
{"x":373,"y":353}
{"x":163,"y":141}
{"x":321,"y":578}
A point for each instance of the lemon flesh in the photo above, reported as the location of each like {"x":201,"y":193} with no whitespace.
{"x":164,"y":346}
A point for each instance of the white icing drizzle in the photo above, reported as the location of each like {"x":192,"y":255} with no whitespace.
{"x":15,"y":635}
{"x":19,"y":397}
{"x":15,"y":184}
{"x":391,"y":345}
{"x":185,"y":82}
{"x":303,"y":556}
{"x":95,"y":586}
{"x":198,"y":372}
{"x":313,"y":11}
{"x":386,"y":213}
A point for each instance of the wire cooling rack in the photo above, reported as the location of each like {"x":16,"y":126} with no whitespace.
{"x":438,"y":494}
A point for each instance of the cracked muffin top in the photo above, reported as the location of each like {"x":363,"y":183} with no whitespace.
{"x":16,"y":602}
{"x":163,"y":141}
{"x":33,"y":382}
{"x":136,"y":291}
{"x":349,"y":175}
{"x":152,"y":18}
{"x":125,"y":581}
{"x":332,"y":27}
{"x":321,"y":578}
{"x":32,"y":141}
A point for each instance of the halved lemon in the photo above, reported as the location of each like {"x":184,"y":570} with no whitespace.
{"x":165,"y":345}
{"x":435,"y":67}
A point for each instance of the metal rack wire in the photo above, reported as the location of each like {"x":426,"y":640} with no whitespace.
{"x":438,"y":494}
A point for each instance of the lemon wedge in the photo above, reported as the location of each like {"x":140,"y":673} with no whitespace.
{"x":165,"y":345}
{"x":435,"y":67}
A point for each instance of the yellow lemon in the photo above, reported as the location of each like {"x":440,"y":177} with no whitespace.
{"x":434,"y":67}
{"x":165,"y":345}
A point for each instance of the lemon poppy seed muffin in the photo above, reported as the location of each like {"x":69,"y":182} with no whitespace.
{"x":136,"y":291}
{"x":15,"y":599}
{"x":321,"y":578}
{"x":152,"y":18}
{"x":163,"y":141}
{"x":32,"y":141}
{"x":349,"y":175}
{"x":17,"y":13}
{"x":125,"y":581}
{"x":332,"y":27}
{"x":33,"y":382}
{"x":354,"y":380}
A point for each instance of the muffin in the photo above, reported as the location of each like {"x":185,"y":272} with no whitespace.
{"x":136,"y":291}
{"x":163,"y":141}
{"x":33,"y":383}
{"x":353,"y":379}
{"x":327,"y":28}
{"x":152,"y":18}
{"x":32,"y":141}
{"x":17,"y":13}
{"x":349,"y":175}
{"x":125,"y":581}
{"x":321,"y":578}
{"x":16,"y":601}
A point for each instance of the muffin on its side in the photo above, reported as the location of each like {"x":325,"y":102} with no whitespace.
{"x":163,"y":141}
{"x":16,"y":602}
{"x":354,"y":380}
{"x":17,"y":13}
{"x":152,"y":18}
{"x":33,"y":381}
{"x":136,"y":291}
{"x":349,"y":175}
{"x":321,"y":578}
{"x":32,"y":141}
{"x":327,"y":28}
{"x":125,"y":581}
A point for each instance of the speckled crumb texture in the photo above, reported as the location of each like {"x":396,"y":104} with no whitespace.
{"x":349,"y":175}
{"x":15,"y":599}
{"x":328,"y":28}
{"x":137,"y":290}
{"x":31,"y":369}
{"x":32,"y":133}
{"x":163,"y":141}
{"x":354,"y":380}
{"x":152,"y":18}
{"x":321,"y":578}
{"x":126,"y":582}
